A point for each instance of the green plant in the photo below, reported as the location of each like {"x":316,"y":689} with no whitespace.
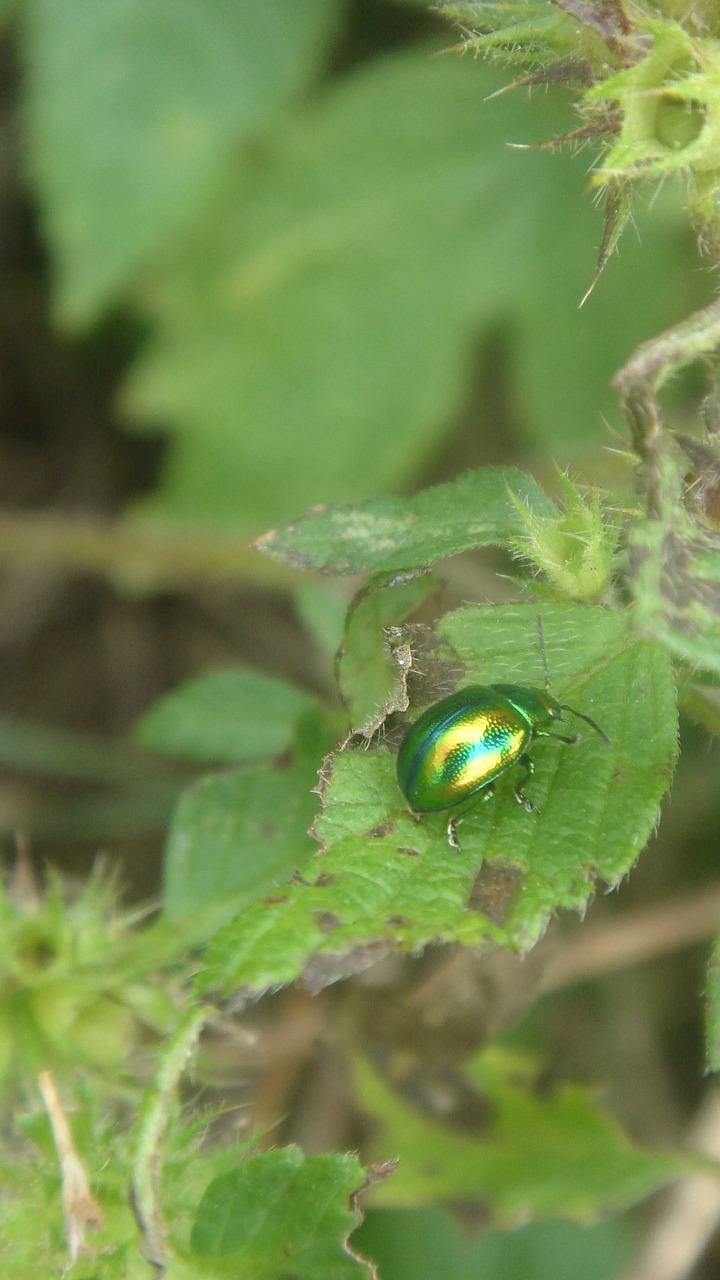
{"x":275,"y":883}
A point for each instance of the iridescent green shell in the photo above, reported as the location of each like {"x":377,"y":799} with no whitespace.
{"x":466,"y":741}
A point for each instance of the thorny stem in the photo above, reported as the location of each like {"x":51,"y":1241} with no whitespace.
{"x":138,"y":555}
{"x":645,"y":373}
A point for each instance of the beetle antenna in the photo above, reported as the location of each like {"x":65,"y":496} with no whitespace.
{"x":581,"y":716}
{"x":564,"y":707}
{"x":543,"y":651}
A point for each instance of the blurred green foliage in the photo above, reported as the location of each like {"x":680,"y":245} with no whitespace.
{"x":319,"y":260}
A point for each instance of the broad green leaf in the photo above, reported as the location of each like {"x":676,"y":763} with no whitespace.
{"x":541,"y":1156}
{"x":389,"y":534}
{"x":384,"y":880}
{"x":313,"y":337}
{"x":370,"y":670}
{"x":713,"y":1010}
{"x":282,"y":1214}
{"x":229,"y":716}
{"x":420,"y":1244}
{"x":133,"y":111}
{"x":237,"y":835}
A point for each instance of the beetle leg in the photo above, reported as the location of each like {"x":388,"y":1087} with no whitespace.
{"x":520,"y":796}
{"x":452,"y":834}
{"x":465,"y":809}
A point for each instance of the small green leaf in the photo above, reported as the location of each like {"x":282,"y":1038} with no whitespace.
{"x":282,"y":1214}
{"x":372,"y":680}
{"x":385,"y":880}
{"x":388,"y":534}
{"x":541,"y":1156}
{"x":229,"y":716}
{"x":133,"y":111}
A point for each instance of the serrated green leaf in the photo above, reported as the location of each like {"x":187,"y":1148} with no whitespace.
{"x":542,"y":1156}
{"x":390,"y":534}
{"x":311,"y":339}
{"x":281,"y":1214}
{"x":712,"y":1017}
{"x":230,"y":716}
{"x":597,"y":804}
{"x":387,"y":881}
{"x":133,"y":110}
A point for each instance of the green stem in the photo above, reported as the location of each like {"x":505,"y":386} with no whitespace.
{"x":647,"y":370}
{"x":152,"y":1125}
{"x":144,"y":558}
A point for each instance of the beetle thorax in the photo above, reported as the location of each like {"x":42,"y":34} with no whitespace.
{"x":537,"y":706}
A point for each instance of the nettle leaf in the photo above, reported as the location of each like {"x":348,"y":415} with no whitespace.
{"x":539,"y":1155}
{"x":387,"y":534}
{"x":229,"y":716}
{"x":133,"y":110}
{"x":314,"y":335}
{"x":386,"y":880}
{"x":280,"y":1214}
{"x":597,"y":803}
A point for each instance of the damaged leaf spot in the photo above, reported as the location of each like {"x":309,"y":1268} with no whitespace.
{"x":327,"y":921}
{"x":494,"y":886}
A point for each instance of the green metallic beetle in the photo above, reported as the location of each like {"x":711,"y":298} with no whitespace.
{"x":451,"y":757}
